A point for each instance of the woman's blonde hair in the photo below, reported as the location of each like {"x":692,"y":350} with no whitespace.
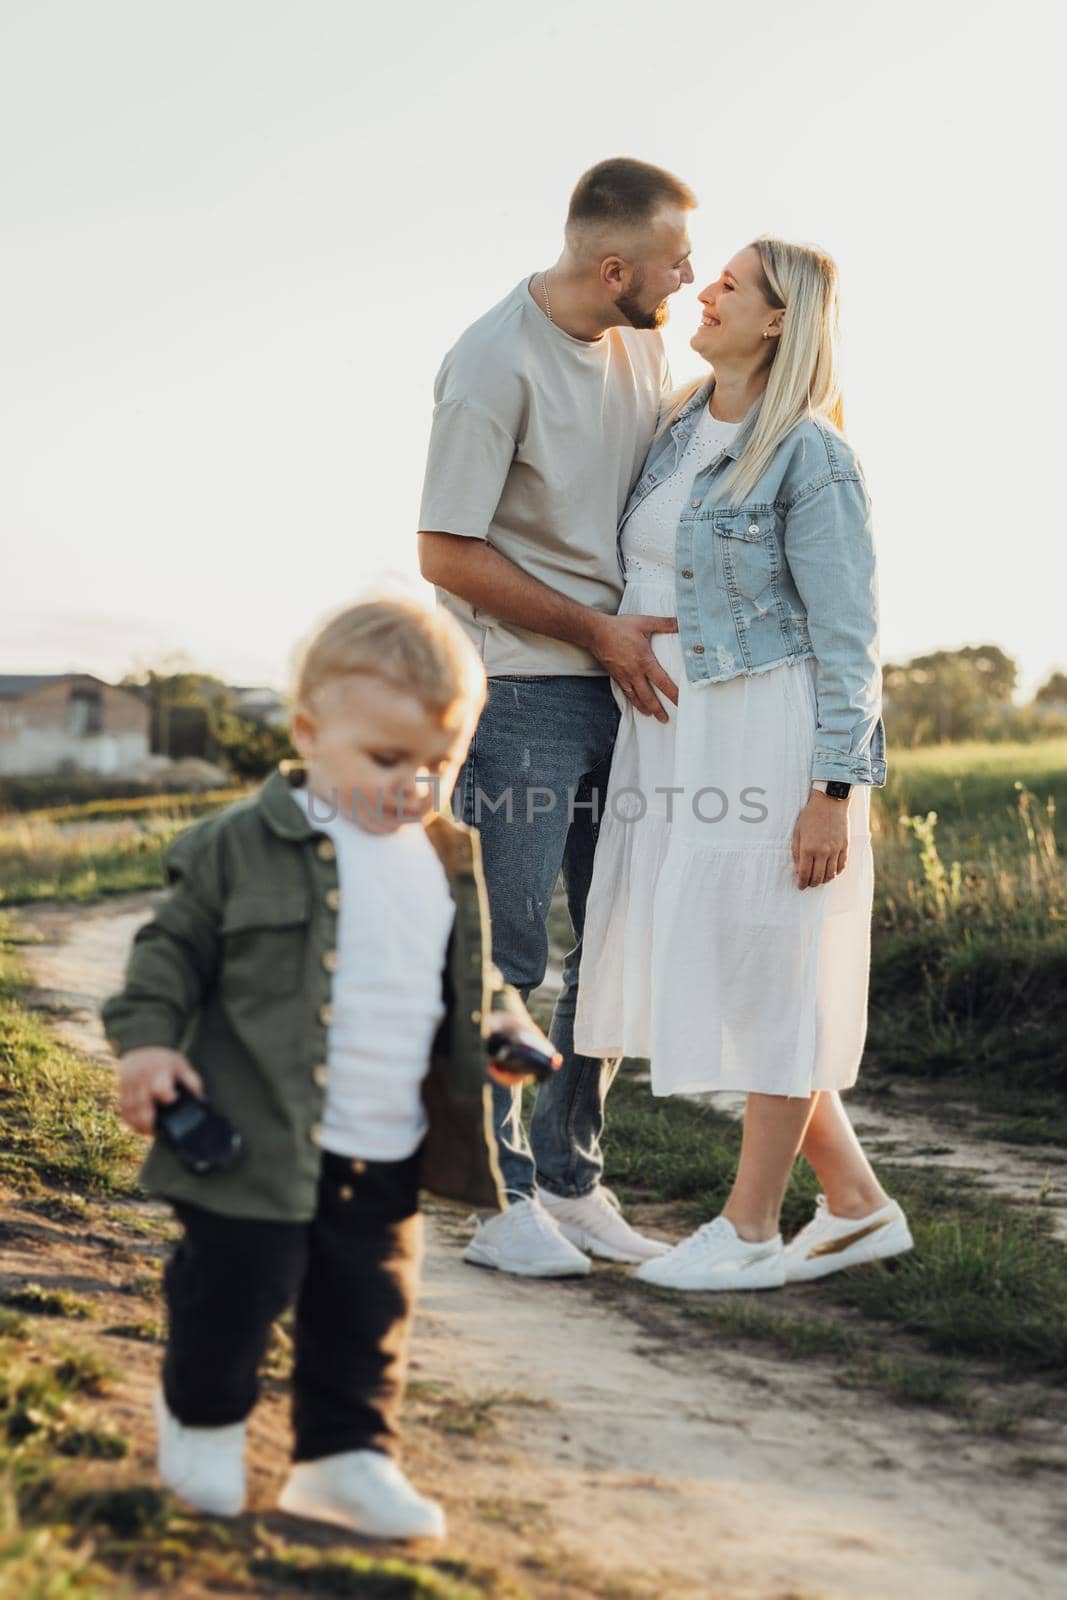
{"x":421,"y":651}
{"x":804,"y":378}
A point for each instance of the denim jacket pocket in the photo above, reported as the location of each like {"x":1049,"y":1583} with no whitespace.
{"x":264,"y":941}
{"x":746,"y":556}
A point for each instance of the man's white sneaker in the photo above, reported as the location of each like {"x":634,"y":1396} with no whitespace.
{"x":525,"y":1240}
{"x":714,"y":1257}
{"x":829,"y":1244}
{"x":364,"y":1491}
{"x":591,"y":1222}
{"x":203,"y":1466}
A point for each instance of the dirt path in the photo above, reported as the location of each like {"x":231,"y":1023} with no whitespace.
{"x":606,"y":1462}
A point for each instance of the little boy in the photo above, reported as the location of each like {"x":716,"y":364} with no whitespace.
{"x":321,"y":973}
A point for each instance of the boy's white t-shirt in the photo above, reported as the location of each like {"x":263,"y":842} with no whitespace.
{"x":393,"y":926}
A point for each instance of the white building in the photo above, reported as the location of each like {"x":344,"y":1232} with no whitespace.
{"x":58,"y":722}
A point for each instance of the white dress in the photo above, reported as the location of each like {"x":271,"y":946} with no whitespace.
{"x":699,"y":953}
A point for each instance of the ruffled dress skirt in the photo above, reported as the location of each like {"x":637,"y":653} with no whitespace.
{"x":699,"y":953}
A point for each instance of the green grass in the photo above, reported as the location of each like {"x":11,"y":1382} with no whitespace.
{"x":42,"y":1302}
{"x":971,"y":785}
{"x":987,"y":1006}
{"x":38,"y":862}
{"x":57,"y":1108}
{"x":42,"y":1402}
{"x":969,"y":958}
{"x":86,"y":852}
{"x":185,"y":806}
{"x":298,"y":1571}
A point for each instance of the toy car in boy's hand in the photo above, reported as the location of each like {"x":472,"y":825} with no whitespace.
{"x":516,"y":1056}
{"x":201,"y":1139}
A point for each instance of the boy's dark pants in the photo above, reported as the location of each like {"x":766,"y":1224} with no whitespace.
{"x":352,"y":1272}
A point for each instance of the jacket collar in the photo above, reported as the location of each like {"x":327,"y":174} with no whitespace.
{"x":690,"y":412}
{"x":280,"y":810}
{"x":452,"y":840}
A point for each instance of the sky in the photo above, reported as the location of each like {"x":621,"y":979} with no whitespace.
{"x":237,"y":237}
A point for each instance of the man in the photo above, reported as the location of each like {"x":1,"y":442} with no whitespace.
{"x":545,"y":408}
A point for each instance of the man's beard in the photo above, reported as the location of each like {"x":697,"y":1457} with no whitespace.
{"x":635,"y":314}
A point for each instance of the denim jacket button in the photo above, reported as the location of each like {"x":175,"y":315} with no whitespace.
{"x":698,"y":649}
{"x":687,"y":572}
{"x":696,"y":504}
{"x":753,"y":527}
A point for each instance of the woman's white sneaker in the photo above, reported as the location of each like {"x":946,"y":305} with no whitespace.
{"x":592,"y":1223}
{"x":830,"y":1244}
{"x":525,"y":1240}
{"x":204,"y":1466}
{"x":364,"y":1491}
{"x":714,"y":1257}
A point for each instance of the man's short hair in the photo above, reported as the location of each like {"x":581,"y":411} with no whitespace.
{"x":625,"y":192}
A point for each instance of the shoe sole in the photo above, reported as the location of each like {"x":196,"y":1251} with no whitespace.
{"x":876,"y":1248}
{"x":339,"y":1516}
{"x":736,"y":1283}
{"x":595,"y":1247}
{"x":478,"y":1256}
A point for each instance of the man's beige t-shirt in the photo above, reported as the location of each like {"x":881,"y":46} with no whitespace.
{"x":537,"y":440}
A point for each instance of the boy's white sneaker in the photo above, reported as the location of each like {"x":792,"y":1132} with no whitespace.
{"x":829,"y":1244}
{"x":591,"y":1222}
{"x":525,"y":1240}
{"x":714,"y":1257}
{"x":364,"y":1491}
{"x":203,"y":1466}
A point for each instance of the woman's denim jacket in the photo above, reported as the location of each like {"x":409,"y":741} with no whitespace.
{"x":787,"y":573}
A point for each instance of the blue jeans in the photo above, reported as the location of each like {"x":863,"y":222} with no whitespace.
{"x":542,"y":740}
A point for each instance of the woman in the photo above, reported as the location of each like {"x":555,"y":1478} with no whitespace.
{"x":727,"y":929}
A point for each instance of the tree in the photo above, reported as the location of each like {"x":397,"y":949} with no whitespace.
{"x":251,"y":749}
{"x":1053,"y":691}
{"x":948,"y":694}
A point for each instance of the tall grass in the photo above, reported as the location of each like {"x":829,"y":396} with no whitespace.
{"x":972,"y":785}
{"x":969,"y":962}
{"x":1016,"y":880}
{"x":105,"y":847}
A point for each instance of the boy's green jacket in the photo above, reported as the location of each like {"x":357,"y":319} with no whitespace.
{"x":234,"y":970}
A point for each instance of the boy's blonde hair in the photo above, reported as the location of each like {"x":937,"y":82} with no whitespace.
{"x":421,"y":651}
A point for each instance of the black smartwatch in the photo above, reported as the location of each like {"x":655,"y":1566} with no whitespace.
{"x":831,"y":786}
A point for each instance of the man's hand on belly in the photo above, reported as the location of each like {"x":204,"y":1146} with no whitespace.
{"x":622,"y":644}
